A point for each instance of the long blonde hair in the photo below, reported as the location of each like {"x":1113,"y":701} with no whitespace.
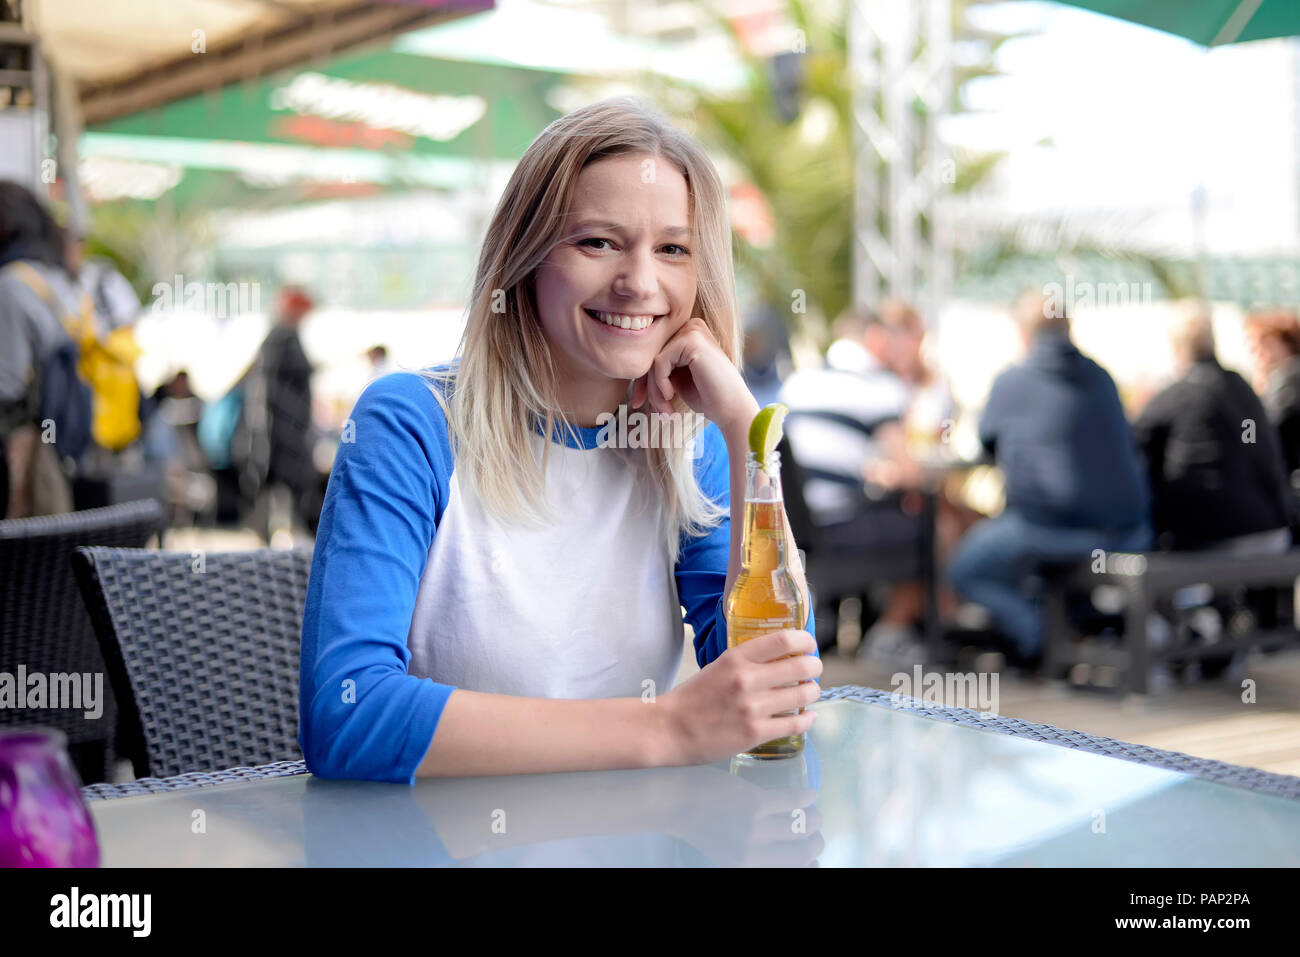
{"x":504,"y":384}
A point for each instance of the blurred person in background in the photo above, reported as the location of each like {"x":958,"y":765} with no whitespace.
{"x":115,"y":301}
{"x":112,"y":307}
{"x":908,"y":327}
{"x":1218,"y":481}
{"x":927,"y":425}
{"x":842,"y":418}
{"x":38,"y":360}
{"x":766,"y":359}
{"x":1274,"y":338}
{"x":171,"y":438}
{"x":1074,"y":480}
{"x":288,"y":497}
{"x":931,"y":407}
{"x":841,"y":414}
{"x":1213,"y":457}
{"x":380,"y":364}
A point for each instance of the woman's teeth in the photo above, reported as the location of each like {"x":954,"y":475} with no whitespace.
{"x":623,"y":322}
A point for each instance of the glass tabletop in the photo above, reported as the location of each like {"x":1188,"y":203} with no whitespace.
{"x":874,"y":787}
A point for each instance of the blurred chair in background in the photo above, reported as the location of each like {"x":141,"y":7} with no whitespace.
{"x":44,"y":627}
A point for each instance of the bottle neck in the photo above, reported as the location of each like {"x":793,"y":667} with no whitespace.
{"x":762,"y":485}
{"x":764,"y":541}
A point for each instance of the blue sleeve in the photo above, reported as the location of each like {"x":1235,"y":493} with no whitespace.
{"x":362,"y":715}
{"x":702,"y":561}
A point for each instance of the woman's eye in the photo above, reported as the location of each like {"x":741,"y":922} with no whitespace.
{"x":674,"y":249}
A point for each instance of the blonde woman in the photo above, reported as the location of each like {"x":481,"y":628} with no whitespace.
{"x":496,"y":587}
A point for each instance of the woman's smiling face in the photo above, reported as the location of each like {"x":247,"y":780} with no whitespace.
{"x":621,"y":280}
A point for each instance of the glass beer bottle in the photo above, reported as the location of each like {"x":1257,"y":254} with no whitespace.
{"x":765,"y":596}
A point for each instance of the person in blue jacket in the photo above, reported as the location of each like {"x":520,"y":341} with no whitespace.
{"x":498,"y":585}
{"x":1073,"y":471}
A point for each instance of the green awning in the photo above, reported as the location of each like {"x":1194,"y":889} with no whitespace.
{"x":352,"y":126}
{"x":1208,"y":22}
{"x":381,"y":101}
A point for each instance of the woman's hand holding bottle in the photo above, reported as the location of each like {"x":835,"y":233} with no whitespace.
{"x":736,"y":703}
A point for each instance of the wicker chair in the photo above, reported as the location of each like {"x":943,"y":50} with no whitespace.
{"x":202,"y":650}
{"x":44,"y":627}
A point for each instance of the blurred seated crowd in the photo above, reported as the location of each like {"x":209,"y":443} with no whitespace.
{"x":76,"y":429}
{"x":1209,"y":463}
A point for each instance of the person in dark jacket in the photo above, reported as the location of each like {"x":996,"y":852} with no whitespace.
{"x":36,"y":357}
{"x":1215,"y":463}
{"x":1274,"y":337}
{"x":1074,"y":482}
{"x":285,"y":374}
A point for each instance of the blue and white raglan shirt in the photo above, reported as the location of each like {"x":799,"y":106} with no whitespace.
{"x":416,"y":591}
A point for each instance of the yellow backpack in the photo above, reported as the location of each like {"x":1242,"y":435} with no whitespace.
{"x":107,"y":364}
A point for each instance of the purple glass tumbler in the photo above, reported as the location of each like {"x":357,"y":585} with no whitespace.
{"x":43,"y":821}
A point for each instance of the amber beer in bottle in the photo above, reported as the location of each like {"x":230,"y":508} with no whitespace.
{"x":765,"y":596}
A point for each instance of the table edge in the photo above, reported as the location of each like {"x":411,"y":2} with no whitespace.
{"x":1220,"y":772}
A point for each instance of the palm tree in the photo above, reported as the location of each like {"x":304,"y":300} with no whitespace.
{"x":803,"y":167}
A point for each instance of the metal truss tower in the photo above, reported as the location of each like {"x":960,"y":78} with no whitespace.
{"x":900,"y":67}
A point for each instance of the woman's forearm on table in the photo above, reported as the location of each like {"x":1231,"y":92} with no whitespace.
{"x":482,"y":734}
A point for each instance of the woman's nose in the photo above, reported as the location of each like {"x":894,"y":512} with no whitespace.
{"x":637,"y":280}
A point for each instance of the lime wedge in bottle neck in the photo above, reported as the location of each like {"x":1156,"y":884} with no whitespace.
{"x":765,"y":432}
